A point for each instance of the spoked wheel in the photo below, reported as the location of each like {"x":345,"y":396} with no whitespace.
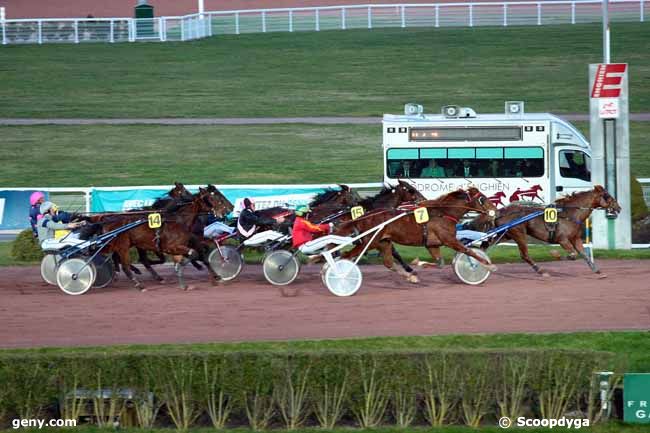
{"x":75,"y":277}
{"x":323,"y":271}
{"x":280,"y":267}
{"x":105,"y":271}
{"x":48,"y":269}
{"x":344,"y":278}
{"x":469,"y":270}
{"x":228,"y":263}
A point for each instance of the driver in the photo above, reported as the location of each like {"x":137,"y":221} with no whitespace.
{"x":47,"y":225}
{"x":248,"y":220}
{"x":303,"y":230}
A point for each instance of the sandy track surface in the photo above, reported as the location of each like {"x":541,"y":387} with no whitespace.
{"x":514,"y":299}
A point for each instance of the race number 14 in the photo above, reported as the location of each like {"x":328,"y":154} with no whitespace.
{"x":155,"y":220}
{"x":421,"y":215}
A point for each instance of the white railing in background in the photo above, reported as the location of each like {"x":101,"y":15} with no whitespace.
{"x":197,"y":26}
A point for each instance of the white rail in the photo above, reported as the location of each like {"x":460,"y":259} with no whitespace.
{"x":235,"y":22}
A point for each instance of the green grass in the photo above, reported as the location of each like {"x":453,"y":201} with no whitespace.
{"x":7,"y":260}
{"x":158,"y":155}
{"x":636,"y":344}
{"x":355,"y":72}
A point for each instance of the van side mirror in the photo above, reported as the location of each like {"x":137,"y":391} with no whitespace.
{"x":559,"y":188}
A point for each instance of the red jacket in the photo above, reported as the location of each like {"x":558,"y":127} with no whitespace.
{"x":304,"y":231}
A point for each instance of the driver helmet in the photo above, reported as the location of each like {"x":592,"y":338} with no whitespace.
{"x":302,"y":210}
{"x":48,"y":206}
{"x":35,"y":197}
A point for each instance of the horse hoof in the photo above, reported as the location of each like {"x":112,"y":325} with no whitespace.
{"x":555,"y":254}
{"x":416,"y":262}
{"x":545,"y":275}
{"x":142,"y":289}
{"x":492,"y":268}
{"x":601,"y":276}
{"x":189,"y":288}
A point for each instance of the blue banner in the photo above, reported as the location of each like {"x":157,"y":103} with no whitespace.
{"x":14,"y":209}
{"x":122,"y":200}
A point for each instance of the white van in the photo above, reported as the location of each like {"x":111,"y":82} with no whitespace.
{"x":509,"y":157}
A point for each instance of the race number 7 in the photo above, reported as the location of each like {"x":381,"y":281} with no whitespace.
{"x":421,"y":215}
{"x":154,"y":220}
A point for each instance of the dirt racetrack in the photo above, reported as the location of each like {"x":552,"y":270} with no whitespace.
{"x":514,"y":299}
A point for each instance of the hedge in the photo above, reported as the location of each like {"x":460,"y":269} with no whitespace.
{"x":25,"y":247}
{"x":290,"y":390}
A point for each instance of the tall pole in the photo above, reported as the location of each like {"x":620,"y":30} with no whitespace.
{"x":606,"y":57}
{"x":201,"y":7}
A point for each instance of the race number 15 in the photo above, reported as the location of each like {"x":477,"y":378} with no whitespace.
{"x":155,"y":220}
{"x":357,"y":212}
{"x":421,"y":215}
{"x":550,"y":215}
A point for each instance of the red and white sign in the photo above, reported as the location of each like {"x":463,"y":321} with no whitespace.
{"x":609,"y":79}
{"x":608,"y":108}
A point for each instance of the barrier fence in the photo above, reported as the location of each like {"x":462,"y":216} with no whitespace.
{"x":197,"y":26}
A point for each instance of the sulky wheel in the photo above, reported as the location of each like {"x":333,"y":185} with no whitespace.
{"x":105,"y":271}
{"x":280,"y":267}
{"x":226,"y":263}
{"x":75,"y":276}
{"x":469,"y":270}
{"x":344,"y":278}
{"x":48,"y":269}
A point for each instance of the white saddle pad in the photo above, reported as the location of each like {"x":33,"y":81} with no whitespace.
{"x":320,"y":244}
{"x":263,"y":237}
{"x":57,"y":244}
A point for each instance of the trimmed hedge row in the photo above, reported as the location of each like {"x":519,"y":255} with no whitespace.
{"x":265,"y":389}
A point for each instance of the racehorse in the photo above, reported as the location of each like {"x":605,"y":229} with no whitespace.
{"x":573,"y":210}
{"x":439,"y":230}
{"x":173,"y":237}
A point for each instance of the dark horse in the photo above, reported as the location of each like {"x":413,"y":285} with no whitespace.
{"x":174,"y":237}
{"x":573,"y":210}
{"x":439,"y":230}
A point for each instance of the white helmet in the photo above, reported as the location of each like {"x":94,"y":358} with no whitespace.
{"x":46,"y":206}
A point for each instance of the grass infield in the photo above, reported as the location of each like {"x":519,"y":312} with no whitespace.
{"x":334,"y":73}
{"x":159,"y":155}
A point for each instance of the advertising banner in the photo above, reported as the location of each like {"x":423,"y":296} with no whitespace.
{"x":14,"y":209}
{"x":636,"y":398}
{"x":105,"y":200}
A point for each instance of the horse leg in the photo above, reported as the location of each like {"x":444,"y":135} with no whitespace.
{"x":577,"y":244}
{"x":126,"y":267}
{"x":387,"y":249}
{"x":142,"y":255}
{"x":438,"y":260}
{"x":457,"y":245}
{"x":520,"y":240}
{"x":401,"y":261}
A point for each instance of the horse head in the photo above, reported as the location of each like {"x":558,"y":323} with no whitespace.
{"x":407,"y":192}
{"x":477,"y":201}
{"x":180,"y":192}
{"x":603,"y":200}
{"x":222,"y":199}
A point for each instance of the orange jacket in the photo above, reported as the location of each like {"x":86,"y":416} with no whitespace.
{"x":304,"y":231}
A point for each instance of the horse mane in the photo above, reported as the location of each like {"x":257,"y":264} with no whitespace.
{"x":571,"y":197}
{"x":323,"y":197}
{"x":368,"y":201}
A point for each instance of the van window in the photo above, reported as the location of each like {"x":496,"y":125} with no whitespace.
{"x":575,"y":164}
{"x":465,"y":162}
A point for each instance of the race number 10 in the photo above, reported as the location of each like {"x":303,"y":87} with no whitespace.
{"x":421,"y":215}
{"x":356,"y":212}
{"x":550,"y":215}
{"x":155,"y":220}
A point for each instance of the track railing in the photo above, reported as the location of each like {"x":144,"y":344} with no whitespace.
{"x":235,"y":22}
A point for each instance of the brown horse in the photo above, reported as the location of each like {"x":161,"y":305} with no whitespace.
{"x":439,"y":230}
{"x":174,"y":237}
{"x":573,"y":211}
